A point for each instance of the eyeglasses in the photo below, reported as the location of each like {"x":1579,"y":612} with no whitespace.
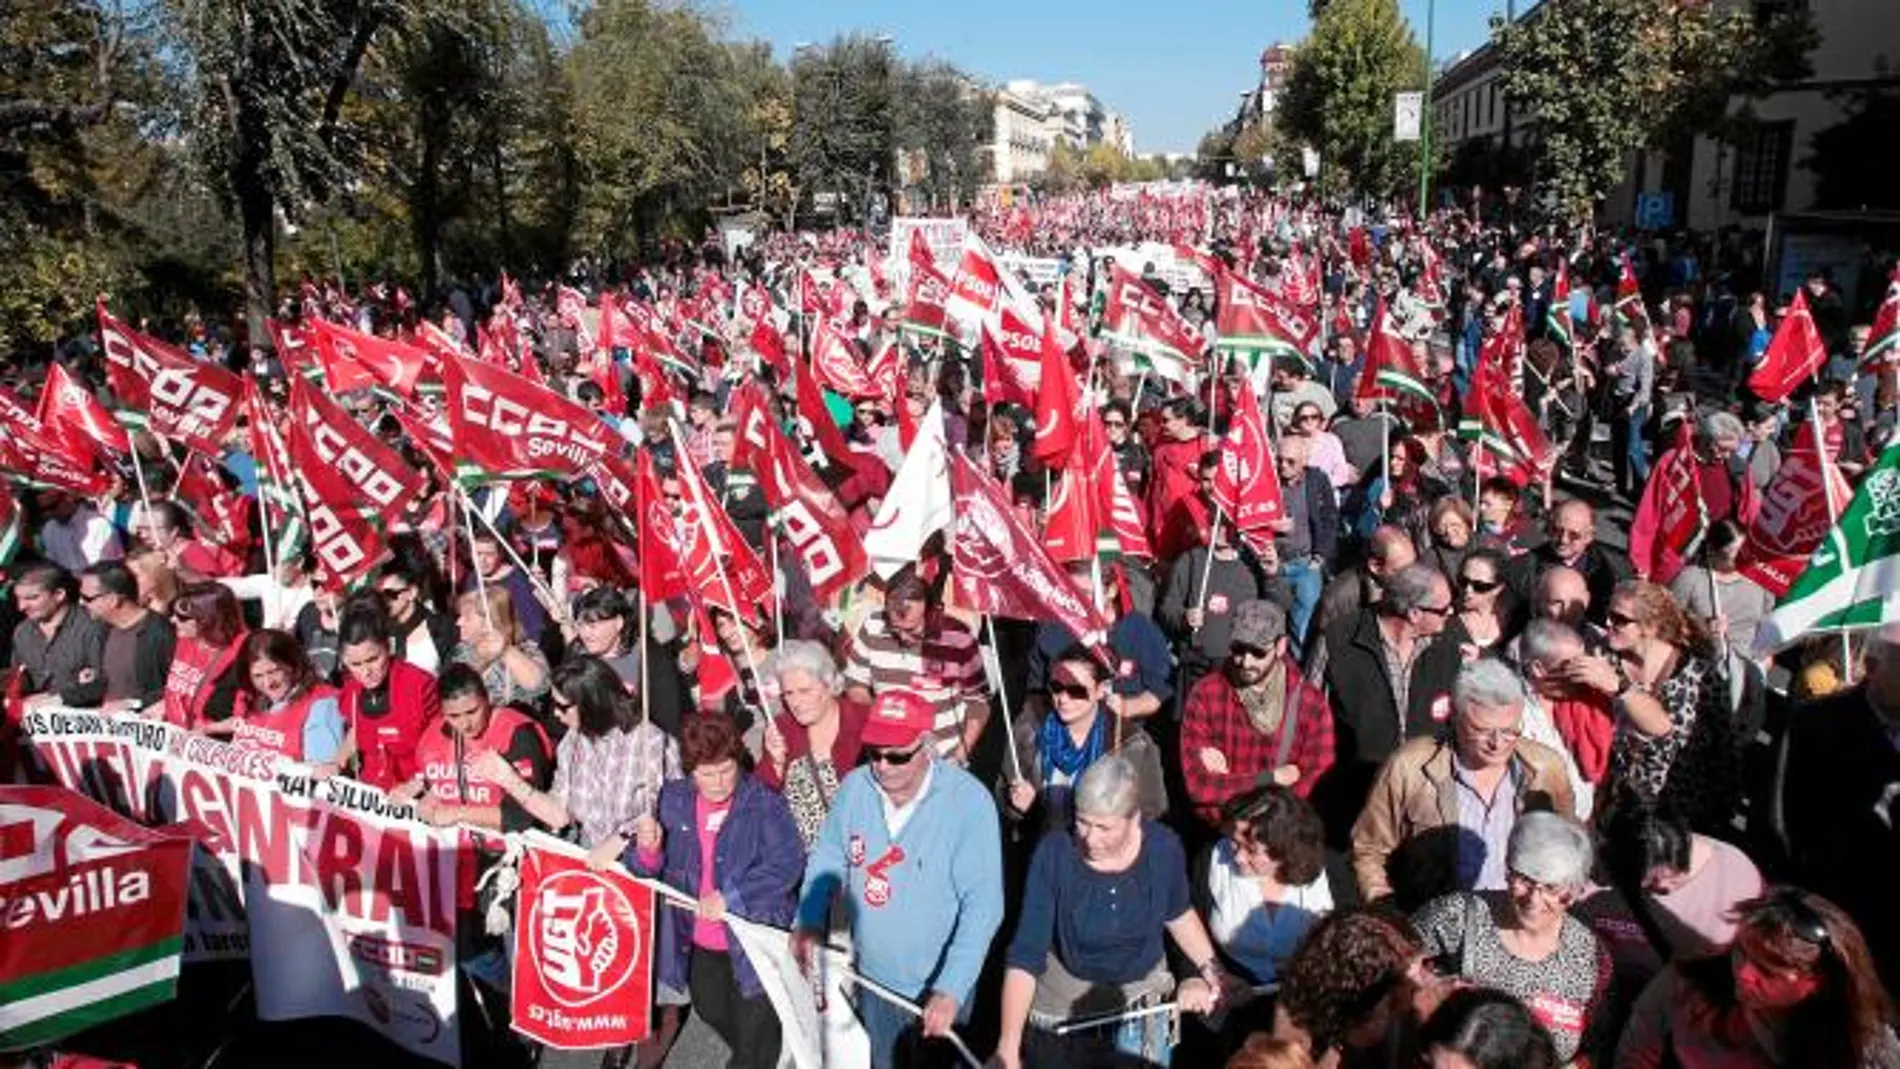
{"x":1495,"y":735}
{"x":391,"y":593}
{"x":88,"y":599}
{"x":1307,"y":417}
{"x":1479,"y":586}
{"x":1537,"y":887}
{"x":1249,"y":651}
{"x":1617,"y":619}
{"x":893,"y":757}
{"x":1439,"y":610}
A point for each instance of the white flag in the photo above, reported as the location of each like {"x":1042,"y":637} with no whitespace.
{"x":817,"y":1031}
{"x":920,"y":502}
{"x":1852,"y":582}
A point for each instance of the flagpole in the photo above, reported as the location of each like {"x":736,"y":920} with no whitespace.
{"x":547,"y":592}
{"x":1002,"y":694}
{"x":481,"y":584}
{"x":646,"y":715}
{"x":1207,"y":570}
{"x":138,"y":473}
{"x":771,"y":553}
{"x":1833,"y":516}
{"x":719,"y":562}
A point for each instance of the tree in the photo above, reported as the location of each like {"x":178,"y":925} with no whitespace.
{"x":268,"y":81}
{"x":942,"y":114}
{"x":1339,"y":94}
{"x":1063,"y":173}
{"x":1608,"y":77}
{"x":1854,"y":160}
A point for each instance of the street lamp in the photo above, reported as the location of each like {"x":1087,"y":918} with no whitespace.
{"x":1425,"y":120}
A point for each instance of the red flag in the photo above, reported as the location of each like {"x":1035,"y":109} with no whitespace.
{"x":1672,"y":516}
{"x":1137,"y":316}
{"x":1003,"y":569}
{"x":295,"y":349}
{"x":1629,"y":296}
{"x":1246,"y":485}
{"x":1883,"y":338}
{"x":1252,"y":318}
{"x":389,"y":362}
{"x":886,"y":371}
{"x":69,"y":410}
{"x":583,"y":965}
{"x":926,"y":311}
{"x":979,"y":280}
{"x":803,"y":506}
{"x":1512,"y":443}
{"x":510,"y":428}
{"x":1390,"y":368}
{"x":770,"y":345}
{"x":378,"y":472}
{"x":655,"y":390}
{"x":655,"y":524}
{"x":194,"y":402}
{"x":1793,"y":517}
{"x":343,"y":533}
{"x":1012,"y":361}
{"x":1071,"y":524}
{"x":835,"y":362}
{"x":1796,"y":352}
{"x":817,"y":421}
{"x":718,"y":564}
{"x":1057,"y":399}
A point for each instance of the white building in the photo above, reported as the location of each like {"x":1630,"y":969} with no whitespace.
{"x":1025,"y":131}
{"x":1116,"y":131}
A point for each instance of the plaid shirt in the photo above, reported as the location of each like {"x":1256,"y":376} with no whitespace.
{"x":1216,"y":719}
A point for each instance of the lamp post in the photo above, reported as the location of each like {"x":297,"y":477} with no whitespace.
{"x":1425,"y":120}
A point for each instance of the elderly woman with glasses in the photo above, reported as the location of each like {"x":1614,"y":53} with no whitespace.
{"x":1675,"y":744}
{"x":1058,"y":747}
{"x":1097,"y":908}
{"x":815,"y":740}
{"x":1796,"y":987}
{"x":1524,"y":942}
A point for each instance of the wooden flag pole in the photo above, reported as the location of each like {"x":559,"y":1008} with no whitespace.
{"x":719,"y":563}
{"x":1002,"y":693}
{"x":1207,"y":570}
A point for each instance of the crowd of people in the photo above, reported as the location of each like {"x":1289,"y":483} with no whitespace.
{"x":1432,"y":774}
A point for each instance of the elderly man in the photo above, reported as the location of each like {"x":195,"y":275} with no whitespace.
{"x":1308,"y":534}
{"x":1725,"y":495}
{"x":1388,"y":550}
{"x":912,"y":843}
{"x":1571,"y":533}
{"x":1834,"y":803}
{"x":1441,"y":812}
{"x":1256,"y":722}
{"x":1388,"y":679}
{"x":59,"y":649}
{"x":912,"y":644}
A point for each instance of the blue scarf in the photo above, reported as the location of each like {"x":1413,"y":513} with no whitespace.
{"x":1061,"y":754}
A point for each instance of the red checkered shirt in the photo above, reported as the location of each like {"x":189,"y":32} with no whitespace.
{"x":1215,"y":719}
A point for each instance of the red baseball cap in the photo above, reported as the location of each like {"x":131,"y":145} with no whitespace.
{"x":897,"y":718}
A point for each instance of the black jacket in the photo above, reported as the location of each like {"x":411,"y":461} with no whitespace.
{"x":1602,"y":569}
{"x":1835,"y":806}
{"x":1367,"y":722}
{"x":1322,"y":516}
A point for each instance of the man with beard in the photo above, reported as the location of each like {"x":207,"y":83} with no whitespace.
{"x":1255,"y":722}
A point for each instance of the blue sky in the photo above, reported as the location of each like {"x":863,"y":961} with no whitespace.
{"x":1174,"y":68}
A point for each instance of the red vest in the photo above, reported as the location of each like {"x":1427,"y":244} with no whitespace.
{"x":192,"y":677}
{"x":443,"y":758}
{"x":386,"y":745}
{"x":281,"y":730}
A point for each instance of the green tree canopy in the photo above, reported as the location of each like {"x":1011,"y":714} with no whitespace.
{"x":1339,"y":94}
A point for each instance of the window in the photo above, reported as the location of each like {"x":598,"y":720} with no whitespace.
{"x":1761,"y":167}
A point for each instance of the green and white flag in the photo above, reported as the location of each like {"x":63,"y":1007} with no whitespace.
{"x":1852,"y":582}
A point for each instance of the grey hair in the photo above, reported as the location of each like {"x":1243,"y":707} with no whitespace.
{"x":1486,"y":682}
{"x":1547,"y":641}
{"x":812,"y":658}
{"x":1550,"y":848}
{"x":1108,"y":788}
{"x":1409,"y":588}
{"x":1715,"y":425}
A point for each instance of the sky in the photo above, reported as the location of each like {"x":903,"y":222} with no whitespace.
{"x":1175,"y":69}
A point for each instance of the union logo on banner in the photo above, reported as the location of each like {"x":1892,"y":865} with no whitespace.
{"x":583,"y":973}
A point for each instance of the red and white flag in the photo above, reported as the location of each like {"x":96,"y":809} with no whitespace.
{"x":1246,"y":485}
{"x":390,"y":363}
{"x":583,"y":961}
{"x":508,"y":428}
{"x":835,"y":362}
{"x":1058,"y":401}
{"x":194,"y":402}
{"x":1012,"y":361}
{"x":344,"y":530}
{"x":1672,"y":516}
{"x":1794,"y":515}
{"x":1001,"y":568}
{"x":803,"y":507}
{"x":70,"y":411}
{"x":716,"y":560}
{"x":379,"y":473}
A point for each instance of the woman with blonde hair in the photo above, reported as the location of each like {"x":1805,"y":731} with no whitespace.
{"x":1675,"y":741}
{"x":158,"y":581}
{"x":514,"y":670}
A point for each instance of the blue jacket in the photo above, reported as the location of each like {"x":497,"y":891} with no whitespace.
{"x":925,"y":906}
{"x":757,"y":863}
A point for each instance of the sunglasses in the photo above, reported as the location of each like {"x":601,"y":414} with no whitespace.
{"x":1249,"y":650}
{"x":1479,"y":586}
{"x":1787,"y":905}
{"x":1618,"y":619}
{"x":1075,"y":691}
{"x":893,"y":757}
{"x":391,"y":593}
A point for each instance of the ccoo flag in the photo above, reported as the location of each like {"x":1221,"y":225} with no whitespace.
{"x":1853,"y":579}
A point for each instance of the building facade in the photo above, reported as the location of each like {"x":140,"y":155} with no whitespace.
{"x":1032,"y":117}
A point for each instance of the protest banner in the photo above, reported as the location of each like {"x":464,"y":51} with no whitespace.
{"x":583,"y":970}
{"x":93,"y":910}
{"x":341,"y":899}
{"x":943,"y":236}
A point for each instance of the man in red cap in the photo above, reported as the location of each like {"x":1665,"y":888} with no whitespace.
{"x":913,"y":843}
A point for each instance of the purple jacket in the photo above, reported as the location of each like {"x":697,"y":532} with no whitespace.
{"x":758,"y":864}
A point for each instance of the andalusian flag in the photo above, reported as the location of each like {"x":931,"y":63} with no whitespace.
{"x":1389,"y":359}
{"x":95,"y":919}
{"x":1629,"y":308}
{"x":1852,"y":581}
{"x":1562,"y":329}
{"x":12,"y":523}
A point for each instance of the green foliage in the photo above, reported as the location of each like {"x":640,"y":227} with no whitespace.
{"x":1339,"y":93}
{"x":941,"y":126}
{"x":844,"y":133}
{"x":1608,"y":77}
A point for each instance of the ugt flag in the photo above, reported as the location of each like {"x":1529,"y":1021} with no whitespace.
{"x":583,"y":973}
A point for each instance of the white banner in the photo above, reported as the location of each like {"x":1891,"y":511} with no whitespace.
{"x":349,"y":900}
{"x":1038,"y":271}
{"x":820,"y":1030}
{"x":944,"y":236}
